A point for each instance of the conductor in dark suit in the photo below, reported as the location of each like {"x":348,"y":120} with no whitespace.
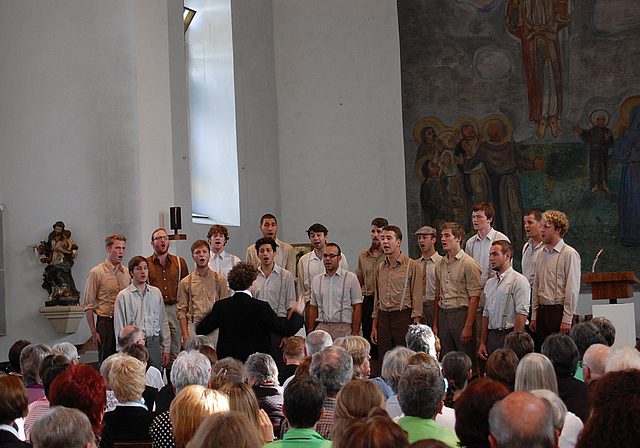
{"x":245,"y":323}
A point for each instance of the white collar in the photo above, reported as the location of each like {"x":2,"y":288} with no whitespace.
{"x":10,"y":429}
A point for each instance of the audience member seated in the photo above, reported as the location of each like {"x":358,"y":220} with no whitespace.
{"x":69,"y":350}
{"x":209,"y":352}
{"x":568,"y":429}
{"x":393,"y":365}
{"x":421,"y":396}
{"x":420,"y":338}
{"x":105,"y":368}
{"x":585,"y":334}
{"x":354,"y":402}
{"x":80,"y":387}
{"x":606,"y":328}
{"x":520,"y":342}
{"x":616,"y":407}
{"x":14,"y":357}
{"x":563,"y":354}
{"x":227,"y":370}
{"x":303,"y":407}
{"x":472,"y":411}
{"x":226,"y":429}
{"x":263,"y":379}
{"x":593,"y":366}
{"x":333,"y":368}
{"x":376,"y":431}
{"x":535,"y":371}
{"x":501,"y":366}
{"x":509,"y":429}
{"x":623,"y":358}
{"x":130,"y":420}
{"x":14,"y":404}
{"x":189,"y":368}
{"x":154,"y":382}
{"x":242,"y":399}
{"x":456,"y":368}
{"x":50,"y":367}
{"x":198,"y":341}
{"x":131,"y":334}
{"x":30,"y":359}
{"x":63,"y":428}
{"x":316,"y":341}
{"x":359,"y":348}
{"x":187,"y":411}
{"x":293,"y":352}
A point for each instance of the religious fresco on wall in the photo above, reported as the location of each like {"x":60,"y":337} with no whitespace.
{"x":522,"y":104}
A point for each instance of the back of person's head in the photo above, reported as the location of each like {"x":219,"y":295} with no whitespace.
{"x":422,"y":358}
{"x":130,"y":334}
{"x":614,"y":411}
{"x":333,"y":368}
{"x":509,"y":429}
{"x":190,"y":368}
{"x":375,"y":431}
{"x":68,"y":349}
{"x":137,"y":351}
{"x":354,"y":401}
{"x":30,"y":359}
{"x":226,"y":429}
{"x":535,"y":371}
{"x":358,"y":347}
{"x":428,"y":443}
{"x":557,"y":406}
{"x":316,"y":341}
{"x":14,"y":354}
{"x":393,"y":365}
{"x":593,"y":363}
{"x":623,"y":358}
{"x":242,"y":276}
{"x":51,"y":367}
{"x":520,"y":342}
{"x":62,"y":427}
{"x":456,"y":368}
{"x":303,"y":367}
{"x":81,"y":387}
{"x":420,"y":338}
{"x":243,"y":399}
{"x":472,"y":411}
{"x":227,"y":370}
{"x":585,"y":334}
{"x":14,"y":402}
{"x":197,"y":341}
{"x":606,"y":328}
{"x":562,"y":352}
{"x":421,"y":391}
{"x":501,"y":366}
{"x":127,"y":379}
{"x":190,"y":406}
{"x":105,"y":367}
{"x":293,"y":348}
{"x":261,"y":368}
{"x":209,"y":352}
{"x":303,"y":402}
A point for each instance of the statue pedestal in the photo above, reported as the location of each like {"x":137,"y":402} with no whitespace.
{"x":65,"y":319}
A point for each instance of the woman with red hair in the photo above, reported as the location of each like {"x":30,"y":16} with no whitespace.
{"x":82,"y":388}
{"x":14,"y":404}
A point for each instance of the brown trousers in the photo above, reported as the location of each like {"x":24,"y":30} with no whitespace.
{"x":548,"y":320}
{"x":392,"y":329}
{"x":105,"y":328}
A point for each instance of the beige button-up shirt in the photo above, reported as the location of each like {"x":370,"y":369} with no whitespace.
{"x":367,"y":271}
{"x":197,"y":294}
{"x":557,"y":280}
{"x":335,"y":296}
{"x":104,"y":283}
{"x":398,"y":287}
{"x":428,"y":266}
{"x":529,"y":259}
{"x":507,"y":292}
{"x":457,"y":282}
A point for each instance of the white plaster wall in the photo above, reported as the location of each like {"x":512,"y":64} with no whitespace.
{"x":339,"y":118}
{"x":68,"y":146}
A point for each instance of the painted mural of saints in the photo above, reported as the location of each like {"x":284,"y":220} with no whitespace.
{"x":537,"y":24}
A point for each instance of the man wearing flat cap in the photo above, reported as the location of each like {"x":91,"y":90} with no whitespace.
{"x":429,"y":257}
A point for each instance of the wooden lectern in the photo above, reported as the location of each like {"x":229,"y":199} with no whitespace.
{"x":611,"y":285}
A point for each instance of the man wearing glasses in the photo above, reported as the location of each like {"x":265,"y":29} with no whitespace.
{"x":336,"y":297}
{"x":165,"y":273}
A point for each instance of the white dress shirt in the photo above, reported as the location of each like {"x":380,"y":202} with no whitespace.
{"x":309,"y":266}
{"x":511,"y":286}
{"x":529,"y":259}
{"x":222,"y":263}
{"x":278,"y":290}
{"x":335,"y":296}
{"x":479,"y":249}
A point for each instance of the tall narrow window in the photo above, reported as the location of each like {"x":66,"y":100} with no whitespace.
{"x":215,"y":187}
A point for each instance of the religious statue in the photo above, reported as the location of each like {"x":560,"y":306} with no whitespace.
{"x":58,"y":252}
{"x":600,"y":139}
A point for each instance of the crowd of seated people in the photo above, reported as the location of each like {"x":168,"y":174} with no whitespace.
{"x":523,"y":399}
